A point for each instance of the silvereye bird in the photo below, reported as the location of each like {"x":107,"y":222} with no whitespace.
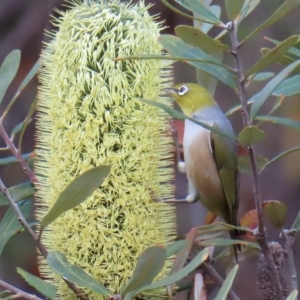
{"x":210,"y":158}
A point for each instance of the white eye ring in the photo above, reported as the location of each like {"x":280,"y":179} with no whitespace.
{"x":183,"y":90}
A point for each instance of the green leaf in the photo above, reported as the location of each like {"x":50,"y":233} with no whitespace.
{"x":263,"y":76}
{"x":60,"y":265}
{"x":279,"y":156}
{"x":288,"y":87}
{"x":205,"y":27}
{"x":180,"y":116}
{"x":149,"y":264}
{"x":76,"y":192}
{"x":248,"y":8}
{"x":9,"y":225}
{"x":177,"y":47}
{"x":250,"y":135}
{"x":23,"y":84}
{"x":245,"y":253}
{"x":215,"y":229}
{"x":260,"y":98}
{"x":276,"y":212}
{"x":18,"y":192}
{"x":224,"y":290}
{"x":293,"y":50}
{"x":40,"y":285}
{"x":8,"y":71}
{"x":202,"y":12}
{"x":175,"y":247}
{"x":12,"y":159}
{"x":282,"y":11}
{"x":233,"y":8}
{"x":280,"y":120}
{"x":181,"y":258}
{"x":273,"y":55}
{"x":244,"y":164}
{"x":296,"y":224}
{"x":19,"y":127}
{"x":293,"y":295}
{"x":196,"y":38}
{"x":190,"y":267}
{"x":219,"y":242}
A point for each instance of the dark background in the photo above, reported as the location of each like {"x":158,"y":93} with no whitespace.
{"x":22,"y":25}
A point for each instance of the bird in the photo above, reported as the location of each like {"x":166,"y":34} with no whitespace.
{"x":210,"y":158}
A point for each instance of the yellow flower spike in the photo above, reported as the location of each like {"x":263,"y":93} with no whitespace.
{"x":89,"y":115}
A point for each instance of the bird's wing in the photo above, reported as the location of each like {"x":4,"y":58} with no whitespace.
{"x":224,"y":151}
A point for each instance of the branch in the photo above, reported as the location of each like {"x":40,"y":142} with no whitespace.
{"x":79,"y":293}
{"x":288,"y":241}
{"x":218,"y":279}
{"x":10,"y":145}
{"x":18,"y":292}
{"x":261,"y":234}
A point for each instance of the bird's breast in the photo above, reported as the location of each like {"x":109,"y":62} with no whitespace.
{"x":200,"y":165}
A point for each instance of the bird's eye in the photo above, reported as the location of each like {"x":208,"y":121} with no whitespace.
{"x":182,"y":90}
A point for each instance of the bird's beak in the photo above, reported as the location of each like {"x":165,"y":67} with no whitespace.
{"x":170,"y":91}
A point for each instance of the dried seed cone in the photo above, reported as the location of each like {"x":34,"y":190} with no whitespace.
{"x":89,"y":115}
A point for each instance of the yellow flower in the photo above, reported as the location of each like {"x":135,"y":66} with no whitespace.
{"x":89,"y":115}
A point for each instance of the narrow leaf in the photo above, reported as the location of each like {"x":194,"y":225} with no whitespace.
{"x":244,"y":164}
{"x":177,"y":47}
{"x":205,"y":27}
{"x":223,"y":292}
{"x":288,"y":87}
{"x":40,"y":285}
{"x":250,"y":135}
{"x":276,"y":212}
{"x":190,"y":267}
{"x":175,"y":247}
{"x":199,"y":288}
{"x":12,"y":159}
{"x":260,"y":98}
{"x":248,"y":8}
{"x":19,"y":127}
{"x":18,"y":192}
{"x":263,"y":76}
{"x":76,"y":192}
{"x":296,"y":224}
{"x":282,"y":11}
{"x":182,"y":257}
{"x":273,"y":55}
{"x":60,"y":265}
{"x":203,"y":13}
{"x":9,"y":225}
{"x":196,"y":38}
{"x":216,"y":229}
{"x":293,"y":50}
{"x":280,"y":120}
{"x":8,"y":71}
{"x":293,"y":295}
{"x":23,"y":84}
{"x":219,"y":242}
{"x":279,"y":156}
{"x":245,"y":253}
{"x":233,"y":8}
{"x":149,"y":264}
{"x":180,"y":116}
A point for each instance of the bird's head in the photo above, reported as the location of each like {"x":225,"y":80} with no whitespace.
{"x":190,"y":97}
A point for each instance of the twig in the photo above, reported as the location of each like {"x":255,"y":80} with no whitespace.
{"x":16,"y":153}
{"x":17,"y":291}
{"x":218,"y":279}
{"x":261,"y":234}
{"x":288,"y":240}
{"x":79,"y":293}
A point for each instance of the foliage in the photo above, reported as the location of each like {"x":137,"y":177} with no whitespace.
{"x":197,"y":47}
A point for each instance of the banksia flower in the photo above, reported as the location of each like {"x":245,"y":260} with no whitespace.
{"x":89,"y":115}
